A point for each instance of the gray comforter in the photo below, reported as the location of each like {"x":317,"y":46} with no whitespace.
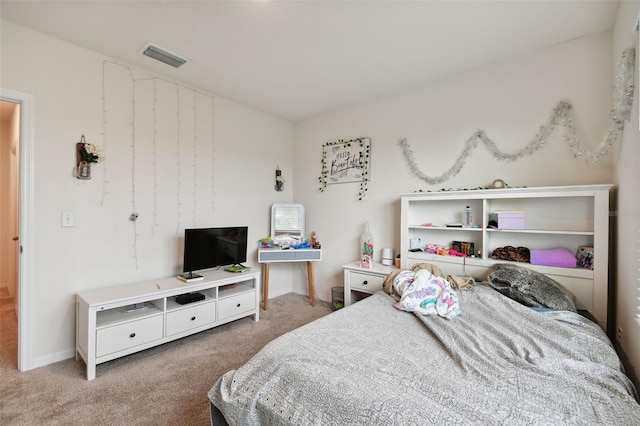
{"x":499,"y":362}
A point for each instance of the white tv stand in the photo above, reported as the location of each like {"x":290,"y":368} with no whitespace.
{"x":108,"y":326}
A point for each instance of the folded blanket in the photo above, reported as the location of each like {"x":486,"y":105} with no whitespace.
{"x":427,"y":294}
{"x":515,"y":254}
{"x":559,"y":256}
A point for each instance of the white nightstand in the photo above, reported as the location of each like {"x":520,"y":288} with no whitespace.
{"x":364,"y":280}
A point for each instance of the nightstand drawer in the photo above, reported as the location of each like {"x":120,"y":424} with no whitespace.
{"x":190,"y":317}
{"x":127,"y":335}
{"x":366,"y":282}
{"x":236,"y":305}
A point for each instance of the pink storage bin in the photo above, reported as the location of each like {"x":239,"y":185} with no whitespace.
{"x":509,"y":220}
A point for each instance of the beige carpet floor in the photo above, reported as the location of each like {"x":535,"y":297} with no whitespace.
{"x":166,"y":385}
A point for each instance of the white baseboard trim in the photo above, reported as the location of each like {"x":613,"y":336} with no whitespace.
{"x":52,"y":358}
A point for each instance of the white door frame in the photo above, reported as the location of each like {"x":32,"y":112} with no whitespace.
{"x":25,"y":216}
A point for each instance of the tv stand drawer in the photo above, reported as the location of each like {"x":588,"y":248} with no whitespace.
{"x":236,"y":305}
{"x":128,"y":335}
{"x":191,"y":317}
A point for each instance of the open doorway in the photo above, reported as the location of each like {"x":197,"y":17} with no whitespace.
{"x":9,"y":231}
{"x":24,"y":221}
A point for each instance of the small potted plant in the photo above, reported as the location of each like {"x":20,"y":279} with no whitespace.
{"x":279,"y":180}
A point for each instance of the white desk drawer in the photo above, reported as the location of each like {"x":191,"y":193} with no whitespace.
{"x":366,"y":282}
{"x":127,"y":335}
{"x":235,"y":305}
{"x":272,"y":255}
{"x":190,"y":317}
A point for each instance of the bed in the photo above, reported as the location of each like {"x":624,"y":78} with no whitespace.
{"x":497,"y":362}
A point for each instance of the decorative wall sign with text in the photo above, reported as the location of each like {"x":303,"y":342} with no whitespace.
{"x":346,"y":161}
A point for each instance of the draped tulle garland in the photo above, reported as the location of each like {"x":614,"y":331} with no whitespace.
{"x":560,"y":116}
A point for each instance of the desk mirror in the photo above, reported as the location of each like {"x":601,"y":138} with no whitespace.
{"x":287,"y":223}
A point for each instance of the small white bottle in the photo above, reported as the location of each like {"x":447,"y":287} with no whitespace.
{"x":468,"y":217}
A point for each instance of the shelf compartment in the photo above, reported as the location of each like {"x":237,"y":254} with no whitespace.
{"x":446,"y":236}
{"x":445,"y":228}
{"x":539,"y":240}
{"x":576,"y":214}
{"x":172,"y":305}
{"x":463,"y":265}
{"x":124,"y":314}
{"x":426,"y":257}
{"x":238,"y":288}
{"x":540,"y":231}
{"x":441,"y":211}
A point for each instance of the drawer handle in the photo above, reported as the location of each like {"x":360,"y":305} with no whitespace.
{"x":132,"y":335}
{"x":238,"y":305}
{"x":365,"y":282}
{"x":193,"y":318}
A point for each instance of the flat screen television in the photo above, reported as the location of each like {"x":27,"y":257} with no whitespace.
{"x":206,"y":248}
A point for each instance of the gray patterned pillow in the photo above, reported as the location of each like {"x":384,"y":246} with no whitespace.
{"x":530,"y":288}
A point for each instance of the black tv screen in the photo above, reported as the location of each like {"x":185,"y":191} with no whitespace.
{"x":206,"y":248}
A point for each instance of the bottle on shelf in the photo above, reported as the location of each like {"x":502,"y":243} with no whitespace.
{"x":366,"y":248}
{"x":468,"y":217}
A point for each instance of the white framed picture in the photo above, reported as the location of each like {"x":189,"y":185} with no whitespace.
{"x":346,"y":161}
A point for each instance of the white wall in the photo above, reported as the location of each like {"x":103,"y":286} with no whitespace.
{"x":105,"y":248}
{"x":509,"y":100}
{"x":628,"y":206}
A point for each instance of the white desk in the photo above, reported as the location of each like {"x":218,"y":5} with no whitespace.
{"x":266,"y":256}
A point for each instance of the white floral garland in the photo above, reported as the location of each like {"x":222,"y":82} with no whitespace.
{"x":623,"y":101}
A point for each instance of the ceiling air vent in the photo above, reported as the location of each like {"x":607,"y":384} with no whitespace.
{"x":163,"y":56}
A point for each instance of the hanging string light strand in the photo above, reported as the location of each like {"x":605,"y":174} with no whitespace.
{"x":154,"y":156}
{"x":179,"y":169}
{"x":105,"y":181}
{"x":195,"y":156}
{"x":134,"y":215}
{"x":213,"y":156}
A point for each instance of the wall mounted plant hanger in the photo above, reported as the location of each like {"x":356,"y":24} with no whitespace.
{"x":86,"y":154}
{"x":279,"y":179}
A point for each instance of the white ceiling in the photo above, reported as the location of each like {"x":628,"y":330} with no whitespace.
{"x":298,"y":59}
